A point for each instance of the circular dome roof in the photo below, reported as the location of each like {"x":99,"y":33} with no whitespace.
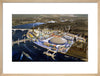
{"x":58,"y":40}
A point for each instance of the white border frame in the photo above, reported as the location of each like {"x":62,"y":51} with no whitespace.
{"x":54,"y":8}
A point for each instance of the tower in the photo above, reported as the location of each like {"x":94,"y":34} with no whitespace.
{"x":68,"y":28}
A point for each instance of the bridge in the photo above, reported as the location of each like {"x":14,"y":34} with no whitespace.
{"x":21,"y":29}
{"x":18,"y":41}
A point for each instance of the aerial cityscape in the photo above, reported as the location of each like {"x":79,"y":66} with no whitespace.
{"x":50,"y":37}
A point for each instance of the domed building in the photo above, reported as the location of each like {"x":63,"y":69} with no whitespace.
{"x":58,"y":40}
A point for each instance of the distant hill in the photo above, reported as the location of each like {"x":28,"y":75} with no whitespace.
{"x":81,"y":15}
{"x":47,"y":15}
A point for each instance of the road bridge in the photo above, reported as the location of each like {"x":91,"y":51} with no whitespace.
{"x":21,"y":29}
{"x":19,"y":41}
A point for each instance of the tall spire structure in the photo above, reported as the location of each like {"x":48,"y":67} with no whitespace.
{"x":68,"y":28}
